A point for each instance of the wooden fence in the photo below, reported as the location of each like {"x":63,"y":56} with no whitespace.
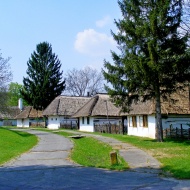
{"x":37,"y":124}
{"x":177,"y":132}
{"x":69,"y":125}
{"x":109,"y":128}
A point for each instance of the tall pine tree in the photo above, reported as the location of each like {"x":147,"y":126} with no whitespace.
{"x":44,"y":81}
{"x":154,"y":59}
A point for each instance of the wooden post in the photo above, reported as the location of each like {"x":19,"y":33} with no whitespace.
{"x":189,"y":134}
{"x":181,"y":131}
{"x":113,"y":157}
{"x":176,"y":132}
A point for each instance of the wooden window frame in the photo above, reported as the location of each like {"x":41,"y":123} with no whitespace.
{"x":134,"y":121}
{"x":145,"y":121}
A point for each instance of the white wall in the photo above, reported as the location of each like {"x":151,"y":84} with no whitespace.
{"x":86,"y":127}
{"x":143,"y":131}
{"x":53,"y":122}
{"x":23,"y":122}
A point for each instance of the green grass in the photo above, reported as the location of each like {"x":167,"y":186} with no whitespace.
{"x":14,"y":143}
{"x":93,"y":153}
{"x":174,"y":154}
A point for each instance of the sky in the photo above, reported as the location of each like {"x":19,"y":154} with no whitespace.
{"x":78,"y":30}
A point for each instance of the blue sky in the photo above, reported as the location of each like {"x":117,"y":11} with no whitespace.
{"x":78,"y":30}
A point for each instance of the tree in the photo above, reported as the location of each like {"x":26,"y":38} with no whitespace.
{"x":154,"y":59}
{"x":14,"y":93}
{"x":44,"y":81}
{"x":81,"y":82}
{"x":5,"y":78}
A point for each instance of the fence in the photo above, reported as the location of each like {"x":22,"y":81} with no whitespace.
{"x":177,"y":132}
{"x":109,"y":128}
{"x":37,"y":124}
{"x":69,"y":125}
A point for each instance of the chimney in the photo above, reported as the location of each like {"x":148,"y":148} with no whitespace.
{"x":20,"y":104}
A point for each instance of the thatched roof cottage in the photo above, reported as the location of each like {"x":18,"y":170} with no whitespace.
{"x":175,"y":111}
{"x":27,"y":116}
{"x":7,"y":118}
{"x":99,"y":109}
{"x":62,"y":108}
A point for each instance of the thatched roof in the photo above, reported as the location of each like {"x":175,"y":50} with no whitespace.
{"x":65,"y":105}
{"x":29,"y":112}
{"x":177,"y":103}
{"x":10,"y":113}
{"x":99,"y":105}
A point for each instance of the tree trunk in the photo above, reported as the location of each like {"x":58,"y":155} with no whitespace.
{"x":159,"y":129}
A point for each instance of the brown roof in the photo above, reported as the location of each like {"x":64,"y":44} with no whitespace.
{"x":29,"y":112}
{"x":99,"y":105}
{"x":65,"y":105}
{"x":10,"y":113}
{"x":177,"y":103}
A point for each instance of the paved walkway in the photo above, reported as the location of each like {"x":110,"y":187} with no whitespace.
{"x":52,"y":150}
{"x":137,"y":159}
{"x":47,"y":166}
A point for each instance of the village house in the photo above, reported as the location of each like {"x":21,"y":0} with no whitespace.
{"x":7,"y":118}
{"x":99,"y":110}
{"x":28,"y":116}
{"x":60,"y":111}
{"x":175,"y":113}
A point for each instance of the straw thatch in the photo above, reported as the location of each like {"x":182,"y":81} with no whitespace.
{"x":177,"y":103}
{"x":10,"y":113}
{"x":65,"y":105}
{"x":99,"y":105}
{"x":29,"y":112}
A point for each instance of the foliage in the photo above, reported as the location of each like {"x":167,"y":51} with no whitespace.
{"x":154,"y":60}
{"x":14,"y":94}
{"x":81,"y":82}
{"x":14,"y":143}
{"x":44,"y":81}
{"x":93,"y":153}
{"x":5,"y":77}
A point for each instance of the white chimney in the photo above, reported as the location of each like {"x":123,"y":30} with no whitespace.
{"x":20,"y":104}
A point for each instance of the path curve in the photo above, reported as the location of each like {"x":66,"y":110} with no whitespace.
{"x":46,"y":166}
{"x":51,"y":150}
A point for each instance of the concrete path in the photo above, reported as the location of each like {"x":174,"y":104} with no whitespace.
{"x":137,"y":159}
{"x":52,"y":150}
{"x":47,"y":167}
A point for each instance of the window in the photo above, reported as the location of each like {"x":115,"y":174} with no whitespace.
{"x":88,"y":120}
{"x":132,"y":121}
{"x":82,"y":120}
{"x":145,"y":121}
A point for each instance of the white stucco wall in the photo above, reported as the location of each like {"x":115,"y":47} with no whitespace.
{"x":143,"y":131}
{"x":86,"y":127}
{"x":23,"y":122}
{"x":53,"y":122}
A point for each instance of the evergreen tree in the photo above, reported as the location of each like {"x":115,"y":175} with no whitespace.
{"x":154,"y":59}
{"x":44,"y":81}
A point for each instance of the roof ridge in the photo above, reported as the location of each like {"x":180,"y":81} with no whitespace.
{"x":96,"y":98}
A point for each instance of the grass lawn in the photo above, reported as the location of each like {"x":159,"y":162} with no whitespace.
{"x":14,"y":143}
{"x":93,"y":153}
{"x":172,"y":153}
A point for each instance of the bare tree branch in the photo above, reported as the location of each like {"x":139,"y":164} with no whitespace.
{"x":81,"y":82}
